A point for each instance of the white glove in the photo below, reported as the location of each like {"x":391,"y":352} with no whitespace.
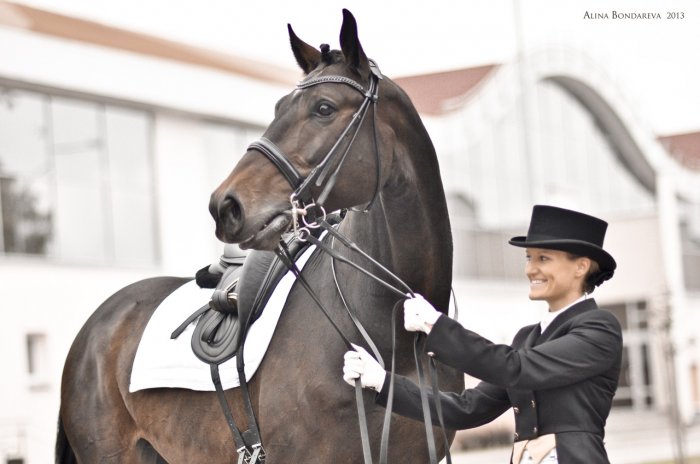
{"x":419,"y":315}
{"x":360,"y":364}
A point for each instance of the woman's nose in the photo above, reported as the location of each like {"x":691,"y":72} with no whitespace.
{"x":530,"y":268}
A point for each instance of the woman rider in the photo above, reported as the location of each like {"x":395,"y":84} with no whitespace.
{"x":559,"y":375}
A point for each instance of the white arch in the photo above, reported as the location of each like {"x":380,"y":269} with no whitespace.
{"x":634,"y":142}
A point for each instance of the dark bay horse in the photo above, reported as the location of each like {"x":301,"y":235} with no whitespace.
{"x":305,"y":411}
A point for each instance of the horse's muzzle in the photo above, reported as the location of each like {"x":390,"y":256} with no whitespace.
{"x":228,"y":215}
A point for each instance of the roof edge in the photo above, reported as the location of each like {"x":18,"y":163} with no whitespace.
{"x":94,"y":33}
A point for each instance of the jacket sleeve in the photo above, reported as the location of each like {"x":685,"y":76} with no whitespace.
{"x":471,"y":408}
{"x":591,"y":346}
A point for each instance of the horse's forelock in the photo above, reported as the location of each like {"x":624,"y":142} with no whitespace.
{"x":329,"y":56}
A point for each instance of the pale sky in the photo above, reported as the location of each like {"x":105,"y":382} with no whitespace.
{"x":654,"y":62}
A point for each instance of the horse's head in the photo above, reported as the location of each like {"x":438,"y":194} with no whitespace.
{"x":319,"y":146}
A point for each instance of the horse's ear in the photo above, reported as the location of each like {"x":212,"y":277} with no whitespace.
{"x":350,"y":43}
{"x":306,"y":55}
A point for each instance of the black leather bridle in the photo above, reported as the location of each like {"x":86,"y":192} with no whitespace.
{"x":321,"y":175}
{"x":303,"y":204}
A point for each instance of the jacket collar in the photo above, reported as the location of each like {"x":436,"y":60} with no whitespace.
{"x":532,"y":336}
{"x":575,"y":310}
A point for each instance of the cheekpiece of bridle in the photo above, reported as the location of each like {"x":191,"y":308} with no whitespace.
{"x":326,"y":172}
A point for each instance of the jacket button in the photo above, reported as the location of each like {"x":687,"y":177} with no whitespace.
{"x":532,"y":403}
{"x":516,"y":410}
{"x":534,"y":430}
{"x":431,"y":353}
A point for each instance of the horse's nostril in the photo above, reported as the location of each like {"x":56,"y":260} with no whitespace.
{"x":231,"y":212}
{"x":229,"y":216}
{"x":231,"y":209}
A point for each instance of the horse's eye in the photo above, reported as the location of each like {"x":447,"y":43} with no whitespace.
{"x":325,"y":109}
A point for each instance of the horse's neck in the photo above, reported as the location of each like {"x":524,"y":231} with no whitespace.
{"x":408,"y":231}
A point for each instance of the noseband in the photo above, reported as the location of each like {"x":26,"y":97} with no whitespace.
{"x":336,"y":155}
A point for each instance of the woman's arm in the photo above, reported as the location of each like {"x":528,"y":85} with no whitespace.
{"x":592,"y":345}
{"x":471,"y":408}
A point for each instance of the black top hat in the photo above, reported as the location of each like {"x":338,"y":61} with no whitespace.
{"x":565,"y":230}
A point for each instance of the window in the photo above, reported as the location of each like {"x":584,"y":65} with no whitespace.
{"x":635,"y":388}
{"x":75,"y":180}
{"x":37,"y":360}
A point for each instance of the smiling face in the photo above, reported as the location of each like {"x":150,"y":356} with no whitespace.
{"x":555,"y":277}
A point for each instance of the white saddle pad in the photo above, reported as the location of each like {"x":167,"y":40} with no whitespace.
{"x":163,"y":362}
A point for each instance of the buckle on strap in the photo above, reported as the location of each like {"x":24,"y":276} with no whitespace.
{"x":316,"y":216}
{"x":243,"y":455}
{"x":258,"y":456}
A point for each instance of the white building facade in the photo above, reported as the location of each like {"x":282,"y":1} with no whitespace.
{"x":110,"y":145}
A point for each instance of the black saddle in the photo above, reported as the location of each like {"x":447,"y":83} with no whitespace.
{"x":245,"y":284}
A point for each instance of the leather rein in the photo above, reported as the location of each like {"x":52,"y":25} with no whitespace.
{"x":309,"y":214}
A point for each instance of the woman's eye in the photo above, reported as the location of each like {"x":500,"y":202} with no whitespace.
{"x":325,"y":109}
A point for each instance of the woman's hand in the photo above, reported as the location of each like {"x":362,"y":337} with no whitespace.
{"x":360,"y":364}
{"x":419,"y":315}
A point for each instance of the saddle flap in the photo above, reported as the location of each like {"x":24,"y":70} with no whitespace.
{"x":222,"y":328}
{"x":260,"y":275}
{"x":253,"y":279}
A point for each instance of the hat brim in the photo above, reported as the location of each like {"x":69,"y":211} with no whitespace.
{"x":577,"y":247}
